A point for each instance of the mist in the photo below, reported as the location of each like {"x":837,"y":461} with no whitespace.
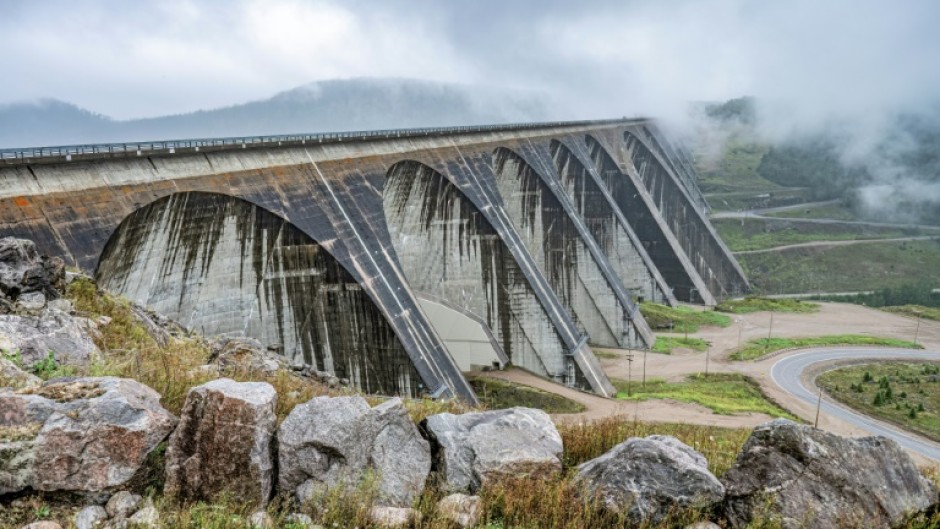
{"x":858,"y":71}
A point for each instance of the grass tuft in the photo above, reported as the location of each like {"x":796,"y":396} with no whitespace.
{"x":681,"y":319}
{"x":755,"y":349}
{"x":723,"y":393}
{"x":759,"y":304}
{"x":915,"y":311}
{"x":666,"y":344}
{"x":500,"y":394}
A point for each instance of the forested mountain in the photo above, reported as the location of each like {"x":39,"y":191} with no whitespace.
{"x":339,"y":105}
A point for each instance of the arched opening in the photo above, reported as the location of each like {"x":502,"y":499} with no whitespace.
{"x":697,"y":238}
{"x":554,"y":241}
{"x":449,"y":251}
{"x":224,"y":266}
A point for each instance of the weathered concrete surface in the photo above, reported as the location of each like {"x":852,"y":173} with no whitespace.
{"x":333,"y":193}
{"x":222,"y":266}
{"x":640,"y":210}
{"x":625,"y":252}
{"x":672,"y":206}
{"x":567,"y":254}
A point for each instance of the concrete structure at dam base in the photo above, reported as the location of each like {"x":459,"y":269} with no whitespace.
{"x":396,"y":259}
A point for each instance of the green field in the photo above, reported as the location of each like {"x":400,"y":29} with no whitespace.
{"x":665,"y":344}
{"x":758,"y":304}
{"x":723,"y":393}
{"x":828,"y":211}
{"x":755,"y":349}
{"x":849,"y":268}
{"x":681,"y":319}
{"x":735,"y":170}
{"x":904,"y":393}
{"x":761,"y":234}
{"x":747,"y":200}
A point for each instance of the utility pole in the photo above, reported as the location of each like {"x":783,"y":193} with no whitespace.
{"x":917,"y":329}
{"x":629,"y":374}
{"x":707,"y":353}
{"x":818,"y":405}
{"x":644,"y":367}
{"x":770,"y":332}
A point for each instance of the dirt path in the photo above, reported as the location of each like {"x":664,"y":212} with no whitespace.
{"x":838,"y":243}
{"x":833,"y":318}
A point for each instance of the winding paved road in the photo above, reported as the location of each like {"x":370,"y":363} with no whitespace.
{"x":788,"y":374}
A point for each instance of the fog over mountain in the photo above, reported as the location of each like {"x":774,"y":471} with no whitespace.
{"x":858,"y":73}
{"x":327,"y":106}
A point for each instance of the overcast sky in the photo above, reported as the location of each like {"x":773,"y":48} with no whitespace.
{"x":594,"y":57}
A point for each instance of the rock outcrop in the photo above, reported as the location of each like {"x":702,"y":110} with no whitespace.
{"x":80,"y":434}
{"x":33,"y":338}
{"x":23,"y":271}
{"x":247,"y":355}
{"x":223,"y":444}
{"x":331,"y":442}
{"x":474,"y":448}
{"x":809,"y":478}
{"x":461,"y":509}
{"x":647,"y":479}
{"x":12,"y":376}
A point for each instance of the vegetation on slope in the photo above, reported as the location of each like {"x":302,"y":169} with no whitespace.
{"x":758,"y":304}
{"x":500,"y":394}
{"x":681,"y":319}
{"x":755,"y":349}
{"x":826,"y":211}
{"x":761,"y":234}
{"x":904,"y":393}
{"x":916,"y":293}
{"x":849,"y":268}
{"x":723,"y":393}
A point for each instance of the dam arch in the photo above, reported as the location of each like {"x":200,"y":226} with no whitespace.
{"x":449,"y":250}
{"x":560,"y":247}
{"x":225,"y":266}
{"x":677,"y":207}
{"x":609,"y":227}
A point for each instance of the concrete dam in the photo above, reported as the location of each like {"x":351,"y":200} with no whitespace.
{"x":396,"y":259}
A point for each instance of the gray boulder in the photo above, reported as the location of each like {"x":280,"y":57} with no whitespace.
{"x":90,"y":517}
{"x":67,"y":337}
{"x":122,"y":504}
{"x":461,"y":510}
{"x":650,"y":478}
{"x":393,"y":517}
{"x":223,"y":444}
{"x":23,"y":270}
{"x":804,"y":477}
{"x":13,"y":377}
{"x":474,"y":448}
{"x":246,"y":355}
{"x":332,"y":442}
{"x":80,"y":434}
{"x":30,"y":301}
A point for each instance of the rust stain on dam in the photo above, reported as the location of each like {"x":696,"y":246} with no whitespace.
{"x":545,"y":236}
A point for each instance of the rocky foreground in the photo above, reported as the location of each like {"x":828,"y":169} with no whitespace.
{"x":95,"y":438}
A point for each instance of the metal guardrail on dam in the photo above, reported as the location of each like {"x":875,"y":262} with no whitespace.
{"x":32,"y":154}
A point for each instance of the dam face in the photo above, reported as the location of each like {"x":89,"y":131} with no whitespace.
{"x":526,"y":243}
